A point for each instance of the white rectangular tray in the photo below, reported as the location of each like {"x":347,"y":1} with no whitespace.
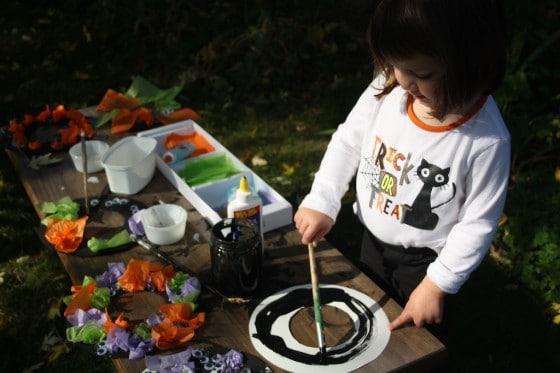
{"x":211,"y":199}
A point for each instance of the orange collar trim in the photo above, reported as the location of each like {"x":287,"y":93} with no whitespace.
{"x":447,"y":127}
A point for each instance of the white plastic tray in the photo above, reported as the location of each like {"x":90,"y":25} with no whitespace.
{"x":211,"y":199}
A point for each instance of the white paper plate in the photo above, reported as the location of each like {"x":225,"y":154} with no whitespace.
{"x":269,"y":330}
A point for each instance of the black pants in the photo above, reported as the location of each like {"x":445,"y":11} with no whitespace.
{"x":398,"y":271}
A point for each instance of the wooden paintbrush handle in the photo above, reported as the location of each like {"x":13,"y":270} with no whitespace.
{"x":316,"y":300}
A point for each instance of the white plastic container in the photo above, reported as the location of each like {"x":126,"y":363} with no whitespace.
{"x":164,"y":224}
{"x":130,"y":164}
{"x":246,"y":205}
{"x":94,"y":152}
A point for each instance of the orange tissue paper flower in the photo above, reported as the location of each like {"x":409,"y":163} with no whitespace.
{"x":33,"y":145}
{"x":66,"y":235}
{"x":44,"y":115}
{"x":126,"y":119}
{"x":180,"y":312}
{"x":123,"y":121}
{"x":178,"y":325}
{"x":80,"y":298}
{"x":169,"y":335}
{"x":119,"y":321}
{"x":59,"y":113}
{"x":145,"y":115}
{"x":138,"y":271}
{"x":115,"y":100}
{"x":28,"y":119}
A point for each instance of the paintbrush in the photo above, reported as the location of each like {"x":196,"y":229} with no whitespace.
{"x":316,"y":301}
{"x":159,"y":254}
{"x":85,"y":172}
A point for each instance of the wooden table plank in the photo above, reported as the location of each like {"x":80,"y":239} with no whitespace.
{"x":286,"y":265}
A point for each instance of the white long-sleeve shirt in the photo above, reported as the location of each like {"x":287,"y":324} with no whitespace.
{"x":442,"y":187}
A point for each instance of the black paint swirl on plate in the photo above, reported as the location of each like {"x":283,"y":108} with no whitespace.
{"x":300,"y":298}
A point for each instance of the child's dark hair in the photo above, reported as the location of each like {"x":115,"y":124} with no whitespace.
{"x":465,"y":36}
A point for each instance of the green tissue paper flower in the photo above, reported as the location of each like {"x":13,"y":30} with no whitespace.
{"x":65,"y":208}
{"x":90,"y":332}
{"x":101,"y":298}
{"x":97,"y":244}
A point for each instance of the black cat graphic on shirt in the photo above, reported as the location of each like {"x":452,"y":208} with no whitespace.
{"x":420,"y":214}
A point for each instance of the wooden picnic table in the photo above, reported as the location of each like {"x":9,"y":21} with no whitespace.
{"x":286,"y":264}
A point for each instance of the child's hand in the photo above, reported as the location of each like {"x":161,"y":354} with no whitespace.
{"x":424,"y":306}
{"x":312,"y":224}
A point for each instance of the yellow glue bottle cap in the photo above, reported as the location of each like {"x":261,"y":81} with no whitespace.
{"x":244,"y":185}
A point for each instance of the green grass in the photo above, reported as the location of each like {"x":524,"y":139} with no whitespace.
{"x":301,"y":68}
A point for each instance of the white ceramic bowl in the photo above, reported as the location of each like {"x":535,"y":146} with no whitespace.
{"x":164,"y":224}
{"x":95,"y":150}
{"x":130,"y":164}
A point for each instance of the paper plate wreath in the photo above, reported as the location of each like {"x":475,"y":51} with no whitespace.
{"x":173,"y":326}
{"x":50,"y":130}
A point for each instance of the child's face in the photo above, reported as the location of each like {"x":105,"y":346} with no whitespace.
{"x":420,"y":76}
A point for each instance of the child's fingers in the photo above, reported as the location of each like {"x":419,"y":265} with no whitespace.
{"x":403,"y":319}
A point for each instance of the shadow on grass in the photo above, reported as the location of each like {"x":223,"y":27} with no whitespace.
{"x":501,"y":327}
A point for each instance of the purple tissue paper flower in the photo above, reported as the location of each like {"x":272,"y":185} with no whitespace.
{"x":135,"y":223}
{"x":154,"y":319}
{"x":117,"y":338}
{"x":189,"y":290}
{"x":81,"y":317}
{"x":139,"y":348}
{"x":192,"y":284}
{"x":109,"y":278}
{"x":233,"y":361}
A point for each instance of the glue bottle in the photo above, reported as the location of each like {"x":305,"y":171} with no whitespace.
{"x":246,"y":205}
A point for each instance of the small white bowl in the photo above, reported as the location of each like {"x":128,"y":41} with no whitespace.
{"x":94,"y":151}
{"x":164,"y":224}
{"x":130,"y":164}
